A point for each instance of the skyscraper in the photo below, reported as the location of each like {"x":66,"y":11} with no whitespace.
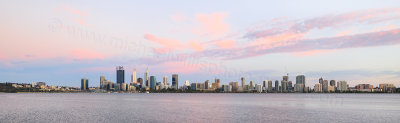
{"x":269,"y":85}
{"x":120,"y":75}
{"x":284,"y":85}
{"x":332,"y":83}
{"x":165,"y":80}
{"x":84,"y":84}
{"x":251,"y":86}
{"x":300,"y":83}
{"x":218,"y":83}
{"x":286,"y":78}
{"x":103,"y":82}
{"x":140,"y":81}
{"x":325,"y":85}
{"x":342,"y":86}
{"x":146,"y":78}
{"x":243,"y":82}
{"x":276,"y":85}
{"x":153,"y":82}
{"x":133,"y":77}
{"x":206,"y":84}
{"x":175,"y":81}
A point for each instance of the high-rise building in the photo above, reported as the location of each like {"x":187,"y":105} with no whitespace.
{"x":235,"y":86}
{"x":140,"y":81}
{"x":165,"y":80}
{"x":103,"y":82}
{"x":251,"y":86}
{"x":258,"y":88}
{"x":243,"y":82}
{"x":276,"y":86}
{"x":33,"y":84}
{"x":290,"y":86}
{"x":133,"y":77}
{"x":269,"y":86}
{"x":301,"y":82}
{"x":342,"y":86}
{"x":332,"y":83}
{"x":325,"y":85}
{"x":120,"y":74}
{"x":286,"y":78}
{"x":146,"y":78}
{"x":217,"y":83}
{"x":124,"y":87}
{"x":317,"y":88}
{"x":320,"y":81}
{"x":175,"y":81}
{"x":284,"y":85}
{"x":84,"y":84}
{"x":153,"y":82}
{"x":206,"y":84}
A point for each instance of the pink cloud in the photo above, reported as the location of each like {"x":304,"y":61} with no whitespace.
{"x":85,"y":54}
{"x":225,"y":44}
{"x":73,"y":11}
{"x":172,"y":44}
{"x":196,"y":46}
{"x":346,"y":32}
{"x":212,"y":24}
{"x":280,"y":40}
{"x":312,"y":52}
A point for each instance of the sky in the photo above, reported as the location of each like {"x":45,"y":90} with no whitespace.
{"x":60,"y":42}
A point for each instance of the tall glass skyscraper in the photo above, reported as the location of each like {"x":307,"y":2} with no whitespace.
{"x":120,"y":75}
{"x":153,"y":82}
{"x":175,"y":81}
{"x":84,"y":84}
{"x":146,"y":78}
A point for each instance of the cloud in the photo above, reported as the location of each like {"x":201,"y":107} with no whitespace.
{"x":212,"y":24}
{"x":196,"y":46}
{"x":86,"y":54}
{"x":225,"y":44}
{"x":167,"y":44}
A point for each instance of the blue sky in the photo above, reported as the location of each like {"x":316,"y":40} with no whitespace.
{"x":60,"y":42}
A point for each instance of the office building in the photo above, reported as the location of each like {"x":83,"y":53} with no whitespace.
{"x":325,"y":85}
{"x":133,"y":77}
{"x":251,"y":86}
{"x":165,"y":80}
{"x":332,"y":83}
{"x":140,"y":81}
{"x":317,"y":88}
{"x":258,"y":88}
{"x":84,"y":84}
{"x":146,"y":78}
{"x":269,"y":86}
{"x":284,"y":85}
{"x":120,"y":74}
{"x":217,"y":83}
{"x":276,"y":86}
{"x":124,"y":87}
{"x":243,"y":81}
{"x":227,"y":88}
{"x":153,"y":82}
{"x":175,"y":83}
{"x":206,"y":84}
{"x":235,"y":86}
{"x":342,"y":86}
{"x":103,"y":82}
{"x":300,"y":81}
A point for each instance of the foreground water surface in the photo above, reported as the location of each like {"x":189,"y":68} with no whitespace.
{"x":137,"y":107}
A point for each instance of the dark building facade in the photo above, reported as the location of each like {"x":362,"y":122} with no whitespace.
{"x":175,"y":81}
{"x":120,"y":75}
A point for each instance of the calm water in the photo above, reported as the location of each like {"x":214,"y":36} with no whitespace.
{"x":218,"y":108}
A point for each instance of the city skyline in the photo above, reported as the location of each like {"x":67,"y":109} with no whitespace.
{"x":356,"y":41}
